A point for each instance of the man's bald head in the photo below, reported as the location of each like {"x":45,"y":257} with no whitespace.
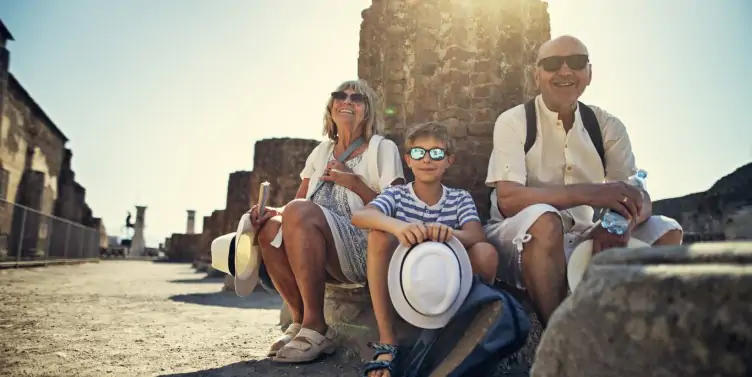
{"x":563,"y":45}
{"x":563,"y":72}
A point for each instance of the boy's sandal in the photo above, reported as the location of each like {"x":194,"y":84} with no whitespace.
{"x":289,"y":334}
{"x":307,"y":346}
{"x":381,"y":349}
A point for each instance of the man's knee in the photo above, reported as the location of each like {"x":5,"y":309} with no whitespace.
{"x":672,"y":237}
{"x":547,"y":227}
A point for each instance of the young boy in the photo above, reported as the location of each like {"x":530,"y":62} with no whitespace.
{"x":419,"y":211}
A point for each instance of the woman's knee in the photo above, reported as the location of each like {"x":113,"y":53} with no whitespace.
{"x":301,"y":211}
{"x":268,"y":232}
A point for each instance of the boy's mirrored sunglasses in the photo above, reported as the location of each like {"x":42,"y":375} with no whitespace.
{"x":354,"y":97}
{"x":436,"y":154}
{"x":554,"y":63}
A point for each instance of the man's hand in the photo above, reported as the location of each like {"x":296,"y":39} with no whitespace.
{"x":603,"y":239}
{"x":618,"y":196}
{"x":340,"y":174}
{"x":439,"y":232}
{"x":411,"y":234}
{"x":259,"y":221}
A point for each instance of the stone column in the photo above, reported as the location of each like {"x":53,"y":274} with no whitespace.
{"x":191,"y":223}
{"x":461,"y":62}
{"x":680,"y":311}
{"x":138,"y":243}
{"x":5,"y":36}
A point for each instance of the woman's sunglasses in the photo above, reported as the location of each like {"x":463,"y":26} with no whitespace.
{"x":554,"y":63}
{"x":436,"y":154}
{"x":354,"y":97}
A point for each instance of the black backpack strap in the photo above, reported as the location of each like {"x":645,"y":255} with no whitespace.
{"x":594,"y":130}
{"x":532,"y":124}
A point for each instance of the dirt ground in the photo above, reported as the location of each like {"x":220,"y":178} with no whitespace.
{"x":139,"y":318}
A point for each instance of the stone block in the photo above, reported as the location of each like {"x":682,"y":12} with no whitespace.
{"x":662,"y":311}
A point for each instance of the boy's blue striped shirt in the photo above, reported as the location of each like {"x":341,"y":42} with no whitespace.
{"x":455,"y":208}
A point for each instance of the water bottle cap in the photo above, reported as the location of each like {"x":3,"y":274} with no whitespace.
{"x":642,"y":173}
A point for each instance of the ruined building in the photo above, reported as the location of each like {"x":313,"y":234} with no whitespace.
{"x":35,"y":172}
{"x":278,"y":161}
{"x":459,"y":62}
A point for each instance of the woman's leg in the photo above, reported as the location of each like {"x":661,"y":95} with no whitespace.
{"x":309,"y":246}
{"x":278,"y":267}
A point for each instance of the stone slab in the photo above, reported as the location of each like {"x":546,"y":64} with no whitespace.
{"x":662,"y":311}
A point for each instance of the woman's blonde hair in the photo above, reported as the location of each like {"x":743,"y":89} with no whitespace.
{"x":373,"y":121}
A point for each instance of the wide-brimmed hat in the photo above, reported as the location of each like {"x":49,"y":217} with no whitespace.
{"x":234,"y":254}
{"x":429,"y":282}
{"x":580,"y":259}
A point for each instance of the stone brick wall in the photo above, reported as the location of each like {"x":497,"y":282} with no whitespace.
{"x":461,"y":62}
{"x":238,"y":200}
{"x":457,"y":61}
{"x":213,"y":228}
{"x":279,"y":161}
{"x":183,"y":247}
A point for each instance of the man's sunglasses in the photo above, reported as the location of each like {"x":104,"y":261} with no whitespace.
{"x":354,"y":97}
{"x":554,"y":63}
{"x":436,"y":154}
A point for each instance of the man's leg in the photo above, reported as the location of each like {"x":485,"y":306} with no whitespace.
{"x":659,"y":231}
{"x":531,"y":256}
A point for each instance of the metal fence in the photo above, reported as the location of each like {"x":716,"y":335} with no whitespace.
{"x":28,"y":236}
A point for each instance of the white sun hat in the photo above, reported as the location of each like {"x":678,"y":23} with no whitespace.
{"x":429,"y":282}
{"x":580,"y":259}
{"x":234,"y":254}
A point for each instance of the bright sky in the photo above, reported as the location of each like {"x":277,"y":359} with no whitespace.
{"x":162,"y":100}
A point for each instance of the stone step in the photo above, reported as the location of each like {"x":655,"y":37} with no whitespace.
{"x":673,"y":311}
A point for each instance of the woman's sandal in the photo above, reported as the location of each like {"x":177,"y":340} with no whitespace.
{"x":307,"y":345}
{"x":381,"y":349}
{"x":289,"y":334}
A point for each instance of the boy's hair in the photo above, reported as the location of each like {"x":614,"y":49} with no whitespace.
{"x":436,"y":130}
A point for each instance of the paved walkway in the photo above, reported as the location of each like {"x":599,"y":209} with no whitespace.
{"x":138,"y":318}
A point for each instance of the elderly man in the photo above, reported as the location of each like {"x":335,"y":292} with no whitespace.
{"x":555,"y":159}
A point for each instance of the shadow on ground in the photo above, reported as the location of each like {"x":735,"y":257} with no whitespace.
{"x":199,"y":280}
{"x":257,"y":300}
{"x":337,"y":365}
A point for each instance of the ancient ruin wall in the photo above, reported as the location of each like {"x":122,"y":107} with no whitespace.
{"x":238,"y":200}
{"x":462,"y":62}
{"x":280,"y":161}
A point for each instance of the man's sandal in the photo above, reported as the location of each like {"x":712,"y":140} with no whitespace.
{"x":381,"y":349}
{"x":289,"y":334}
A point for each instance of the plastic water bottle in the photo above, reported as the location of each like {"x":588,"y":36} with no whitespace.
{"x":612,"y":221}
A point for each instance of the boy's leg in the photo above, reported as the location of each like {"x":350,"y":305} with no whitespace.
{"x":381,"y":246}
{"x":485,"y":261}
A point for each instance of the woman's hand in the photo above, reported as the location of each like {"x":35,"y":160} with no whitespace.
{"x":259,"y":221}
{"x":340,"y":174}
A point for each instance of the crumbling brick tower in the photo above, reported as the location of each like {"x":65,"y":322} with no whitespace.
{"x":462,"y":62}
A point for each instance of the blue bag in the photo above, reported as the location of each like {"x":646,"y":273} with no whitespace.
{"x":490,"y":325}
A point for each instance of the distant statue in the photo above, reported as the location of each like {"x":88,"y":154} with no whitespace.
{"x":128,"y":223}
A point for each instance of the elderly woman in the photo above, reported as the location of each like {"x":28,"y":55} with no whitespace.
{"x":311,"y":240}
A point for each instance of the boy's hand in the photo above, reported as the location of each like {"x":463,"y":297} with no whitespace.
{"x":412,"y":233}
{"x":439,"y":232}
